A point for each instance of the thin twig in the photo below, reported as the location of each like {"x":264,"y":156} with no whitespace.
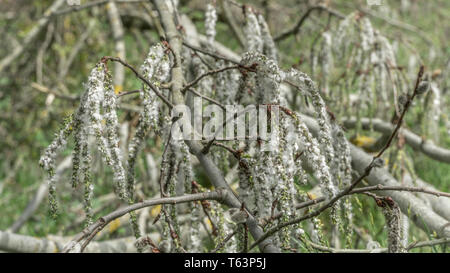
{"x":142,"y":78}
{"x":206,"y":98}
{"x":225,"y":240}
{"x":126,"y":93}
{"x":206,"y":52}
{"x":212,"y":72}
{"x":295,"y":29}
{"x":398,"y":24}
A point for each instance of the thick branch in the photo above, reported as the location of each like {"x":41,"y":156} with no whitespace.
{"x":118,"y":33}
{"x":11,"y":242}
{"x":415,"y":141}
{"x":232,"y":22}
{"x":213,"y":173}
{"x":440,"y":205}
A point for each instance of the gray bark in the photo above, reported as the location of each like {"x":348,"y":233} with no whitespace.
{"x":11,"y":242}
{"x":417,"y":210}
{"x":415,"y":141}
{"x":118,"y":33}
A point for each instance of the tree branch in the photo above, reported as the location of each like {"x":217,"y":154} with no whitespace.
{"x":426,"y":147}
{"x":213,"y":173}
{"x":118,"y":35}
{"x":419,"y":212}
{"x":142,"y":78}
{"x":12,"y":242}
{"x":295,"y":29}
{"x":89,"y":232}
{"x":211,"y":54}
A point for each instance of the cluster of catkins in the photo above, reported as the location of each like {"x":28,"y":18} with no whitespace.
{"x":397,"y":235}
{"x":95,"y":119}
{"x":377,"y":84}
{"x":376,"y":77}
{"x":364,"y":50}
{"x":270,"y":173}
{"x":374,"y":85}
{"x":268,"y":178}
